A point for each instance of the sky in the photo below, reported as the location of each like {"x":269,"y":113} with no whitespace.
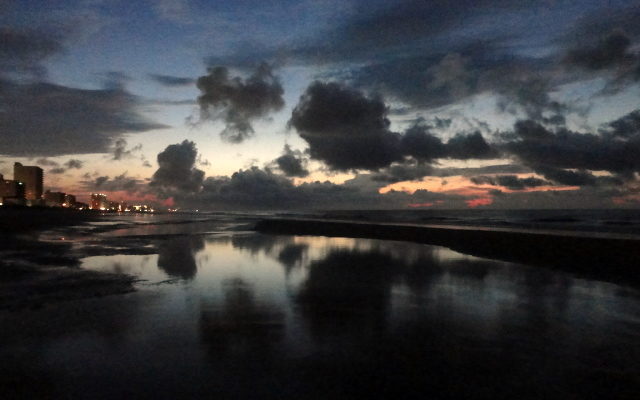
{"x":326,"y":104}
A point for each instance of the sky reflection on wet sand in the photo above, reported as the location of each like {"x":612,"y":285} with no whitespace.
{"x":265,"y":316}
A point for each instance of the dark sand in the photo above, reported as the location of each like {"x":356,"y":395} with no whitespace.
{"x":30,"y":219}
{"x":35,"y":273}
{"x":610,"y":259}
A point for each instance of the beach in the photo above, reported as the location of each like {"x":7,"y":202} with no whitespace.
{"x":600,"y":256}
{"x":256,"y":306}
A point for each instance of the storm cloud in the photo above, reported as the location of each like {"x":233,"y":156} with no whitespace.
{"x":237,"y":102}
{"x":172,"y":81}
{"x":120,"y":150}
{"x":22,"y":51}
{"x":512,"y":182}
{"x":417,"y":52}
{"x":344,"y":128}
{"x":612,"y":51}
{"x":348,"y":130}
{"x":403,"y":172}
{"x":74,"y":164}
{"x":292,"y":163}
{"x":177,"y":172}
{"x":536,"y":145}
{"x":118,"y":183}
{"x":257,"y":188}
{"x":43,"y":119}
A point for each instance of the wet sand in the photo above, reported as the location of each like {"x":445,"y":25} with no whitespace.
{"x":241,"y":314}
{"x":603,"y":258}
{"x":37,"y":272}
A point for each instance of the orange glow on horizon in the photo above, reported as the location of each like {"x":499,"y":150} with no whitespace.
{"x":429,"y":204}
{"x":462,"y":186}
{"x":480,"y":201}
{"x":629,"y":199}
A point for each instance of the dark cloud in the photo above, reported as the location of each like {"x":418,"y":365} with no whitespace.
{"x":172,"y":81}
{"x":177,"y":173}
{"x":73,"y":164}
{"x":203,"y":161}
{"x":239,"y":102}
{"x":57,"y":171}
{"x":261,"y":188}
{"x":466,"y":146}
{"x":348,"y":130}
{"x":605,"y":43}
{"x":612,"y":55}
{"x":344,"y":128}
{"x":626,"y":126}
{"x":167,"y":102}
{"x":489,"y":169}
{"x":99,"y":181}
{"x":43,"y":119}
{"x":509,"y":181}
{"x":252,"y":188}
{"x":114,"y":80}
{"x":419,"y":143}
{"x":118,"y":183}
{"x":374,"y":31}
{"x":443,"y":77}
{"x":538,"y":146}
{"x":120,"y":150}
{"x":23,"y":50}
{"x":415,"y":53}
{"x":419,"y":53}
{"x":528,"y":90}
{"x":567,"y":177}
{"x":257,"y":188}
{"x":46,"y":162}
{"x":442,"y":123}
{"x":580,"y":177}
{"x":292,"y":163}
{"x":403,"y":172}
{"x":612,"y":51}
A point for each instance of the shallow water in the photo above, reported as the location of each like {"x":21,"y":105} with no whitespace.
{"x":251,"y":315}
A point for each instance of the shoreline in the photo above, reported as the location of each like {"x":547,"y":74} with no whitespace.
{"x":602,"y":258}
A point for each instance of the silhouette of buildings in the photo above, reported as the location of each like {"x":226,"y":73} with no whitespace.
{"x":31,"y":177}
{"x":11,"y":192}
{"x":69,"y":201}
{"x":54,"y":199}
{"x":26,"y":190}
{"x":99,"y":201}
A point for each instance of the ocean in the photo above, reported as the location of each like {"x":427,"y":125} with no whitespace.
{"x":620,"y":222}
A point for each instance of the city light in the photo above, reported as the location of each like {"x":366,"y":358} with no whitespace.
{"x":26,"y":189}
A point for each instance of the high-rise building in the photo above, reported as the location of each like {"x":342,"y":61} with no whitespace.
{"x":31,"y":177}
{"x":99,"y":201}
{"x":69,"y":201}
{"x":11,"y":192}
{"x":54,"y":199}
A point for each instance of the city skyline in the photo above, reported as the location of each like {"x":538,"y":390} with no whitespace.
{"x":27,"y":189}
{"x":326,"y":104}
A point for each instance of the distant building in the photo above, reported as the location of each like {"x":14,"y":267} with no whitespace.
{"x":99,"y":201}
{"x":114,"y":206}
{"x":11,"y":192}
{"x":54,"y":199}
{"x":81,"y":206}
{"x":69,"y":201}
{"x":31,"y":177}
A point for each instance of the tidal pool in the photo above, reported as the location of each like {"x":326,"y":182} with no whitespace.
{"x":248,"y":315}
